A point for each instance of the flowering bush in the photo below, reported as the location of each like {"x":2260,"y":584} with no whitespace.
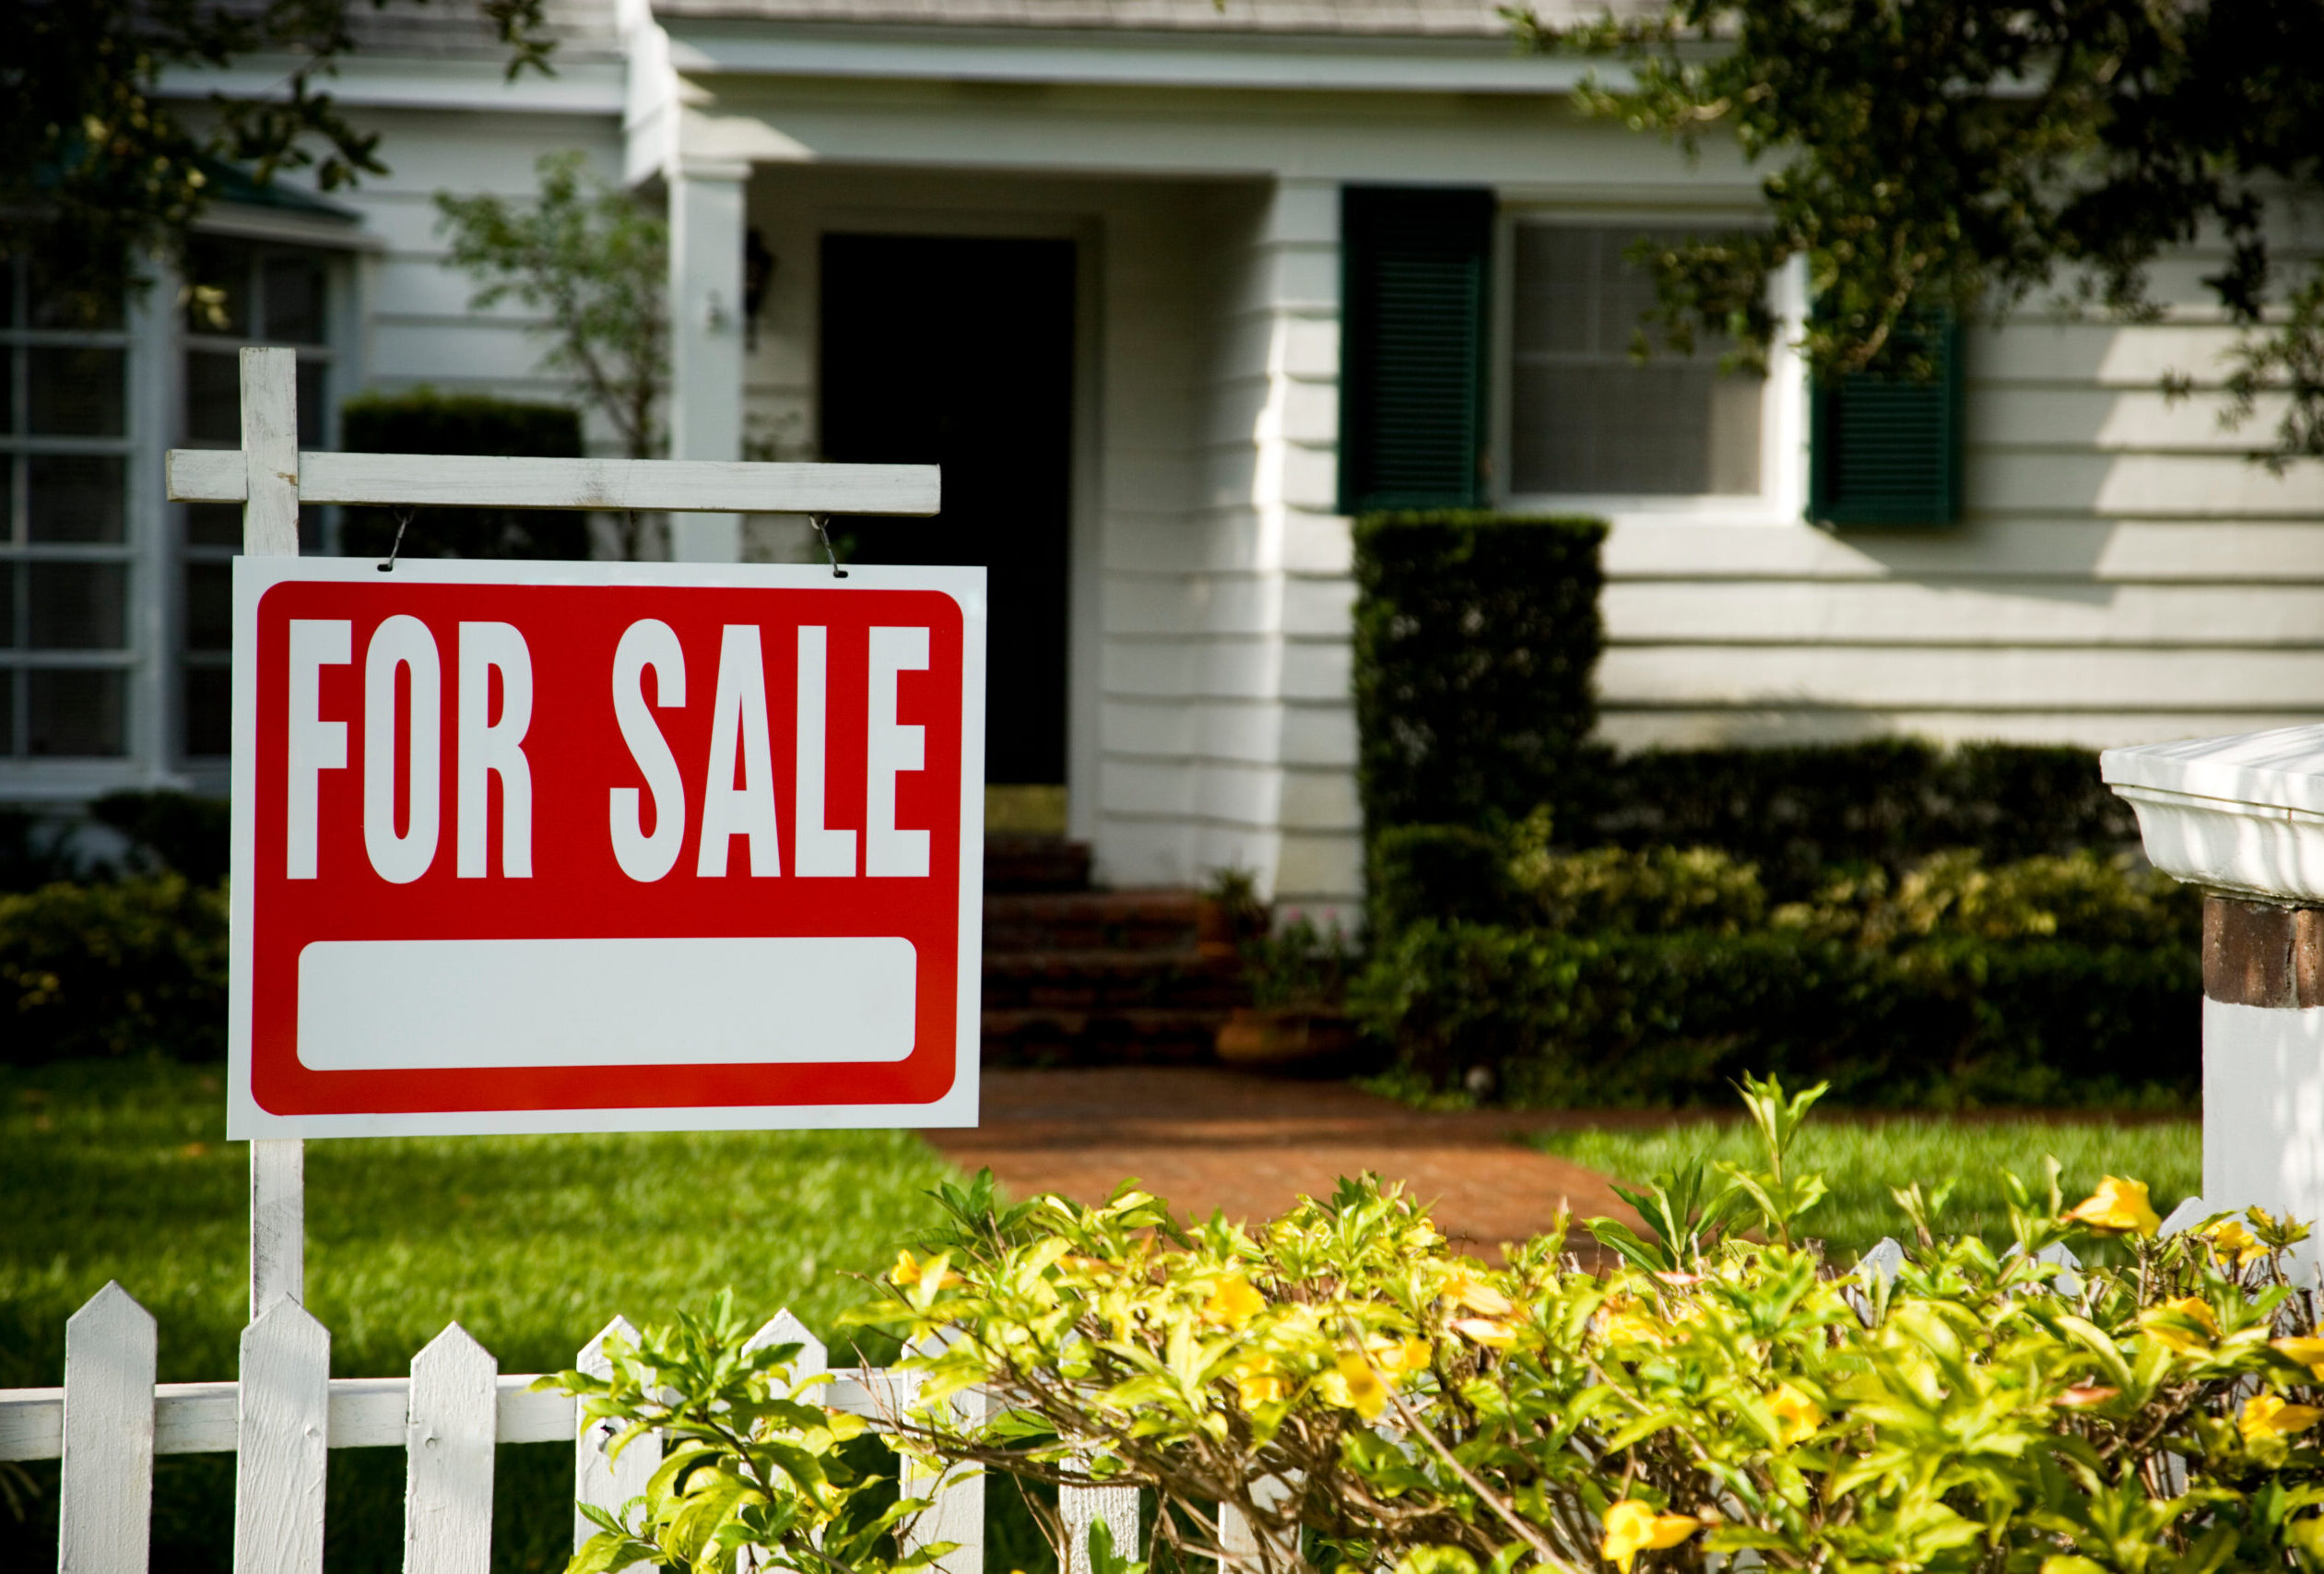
{"x":1359,"y":1393}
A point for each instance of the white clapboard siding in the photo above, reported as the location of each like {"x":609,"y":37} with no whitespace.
{"x":449,"y":1435}
{"x":1964,"y":612}
{"x":2014,"y":678}
{"x":600,"y":1480}
{"x":464,"y":480}
{"x":282,"y":1438}
{"x":105,"y":1508}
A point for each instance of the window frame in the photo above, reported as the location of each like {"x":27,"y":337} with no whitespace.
{"x":1783,"y":427}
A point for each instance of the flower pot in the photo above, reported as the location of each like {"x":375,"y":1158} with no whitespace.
{"x":1221,"y":928}
{"x":1262,"y":1038}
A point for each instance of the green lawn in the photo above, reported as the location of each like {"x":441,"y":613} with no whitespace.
{"x":111,"y":1171}
{"x":1861,"y":1159}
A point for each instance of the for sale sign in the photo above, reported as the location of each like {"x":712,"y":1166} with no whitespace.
{"x":575,"y":846}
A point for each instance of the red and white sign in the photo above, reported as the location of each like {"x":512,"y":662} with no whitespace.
{"x":587,"y":846}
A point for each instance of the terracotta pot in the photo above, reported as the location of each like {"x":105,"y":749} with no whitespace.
{"x":1221,"y":928}
{"x":1265,"y":1038}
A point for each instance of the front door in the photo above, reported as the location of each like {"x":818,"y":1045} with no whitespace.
{"x":958,"y":352}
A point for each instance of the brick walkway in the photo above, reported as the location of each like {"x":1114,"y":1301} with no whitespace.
{"x":1247,"y":1146}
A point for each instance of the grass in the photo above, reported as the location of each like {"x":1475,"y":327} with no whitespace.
{"x":1861,"y":1159}
{"x":117,"y":1171}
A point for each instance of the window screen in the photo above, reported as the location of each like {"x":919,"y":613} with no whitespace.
{"x":1583,"y":416}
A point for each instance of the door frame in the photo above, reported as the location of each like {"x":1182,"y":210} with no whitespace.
{"x":1085,"y":624}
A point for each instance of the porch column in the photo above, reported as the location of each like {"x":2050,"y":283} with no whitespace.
{"x":706,"y":396}
{"x":2243,"y":817}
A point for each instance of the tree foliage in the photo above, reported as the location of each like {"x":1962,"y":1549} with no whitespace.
{"x":593,"y":263}
{"x":1967,"y":153}
{"x":102,"y":167}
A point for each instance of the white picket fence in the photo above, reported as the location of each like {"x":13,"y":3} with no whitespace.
{"x":111,"y":1418}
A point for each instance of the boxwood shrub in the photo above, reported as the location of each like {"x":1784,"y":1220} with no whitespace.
{"x":125,"y":967}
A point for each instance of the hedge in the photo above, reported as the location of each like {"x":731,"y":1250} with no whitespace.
{"x":134,"y":966}
{"x":1613,"y":1019}
{"x":1476,"y":636}
{"x":424,"y":422}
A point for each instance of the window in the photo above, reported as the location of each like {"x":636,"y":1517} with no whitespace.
{"x":64,"y":550}
{"x":239,"y":292}
{"x":1412,"y":408}
{"x":1586,"y":418}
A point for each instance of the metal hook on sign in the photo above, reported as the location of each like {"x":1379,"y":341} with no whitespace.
{"x":402,"y":522}
{"x":823,"y":527}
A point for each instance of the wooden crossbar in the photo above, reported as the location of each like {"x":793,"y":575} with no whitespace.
{"x":461,"y":480}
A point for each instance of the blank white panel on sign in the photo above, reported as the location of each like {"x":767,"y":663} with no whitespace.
{"x":396,"y":1005}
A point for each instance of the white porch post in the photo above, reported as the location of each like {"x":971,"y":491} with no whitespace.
{"x":706,"y":396}
{"x":2243,"y":817}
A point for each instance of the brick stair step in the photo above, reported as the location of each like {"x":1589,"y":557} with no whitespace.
{"x":1076,"y":980}
{"x":1149,"y":1036}
{"x":1090,"y":920}
{"x":1014,"y":861}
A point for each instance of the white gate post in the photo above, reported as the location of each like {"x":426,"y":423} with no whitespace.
{"x":270,"y":528}
{"x":2243,"y":817}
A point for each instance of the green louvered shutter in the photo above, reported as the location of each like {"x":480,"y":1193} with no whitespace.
{"x":1887,"y":450}
{"x":1412,"y":389}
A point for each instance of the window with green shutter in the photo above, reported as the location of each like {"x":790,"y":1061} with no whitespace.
{"x":1416,"y":265}
{"x":1886,"y":449}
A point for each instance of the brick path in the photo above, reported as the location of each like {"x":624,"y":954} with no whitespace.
{"x":1247,"y":1146}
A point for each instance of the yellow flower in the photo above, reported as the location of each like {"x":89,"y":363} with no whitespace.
{"x":2265,"y":1415}
{"x":909,"y":1270}
{"x":2230,"y":1240}
{"x":1632,"y":1527}
{"x":1484,"y":1331}
{"x":1479,"y":1297}
{"x":1257,"y":1382}
{"x":1367,"y":1395}
{"x":2188,"y":1307}
{"x":1398,"y":1355}
{"x":1797,"y":1415}
{"x":1234,"y":1302}
{"x":2117,"y":1207}
{"x":2309,"y":1353}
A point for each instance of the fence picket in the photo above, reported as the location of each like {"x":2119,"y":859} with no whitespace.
{"x":282,"y":1434}
{"x":599,"y":1481}
{"x":448,"y":1438}
{"x":1239,"y":1538}
{"x":1080,"y":1507}
{"x":958,"y":1513}
{"x":813,"y":1360}
{"x":104,"y":1510}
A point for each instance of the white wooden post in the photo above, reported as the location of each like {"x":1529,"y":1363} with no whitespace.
{"x":958,"y":1512}
{"x":1078,"y":1507}
{"x":2243,"y":817}
{"x":105,"y":1509}
{"x":282,"y":1433}
{"x":599,"y":1481}
{"x":706,"y":226}
{"x":270,"y":528}
{"x":1239,"y":1537}
{"x":449,"y":1433}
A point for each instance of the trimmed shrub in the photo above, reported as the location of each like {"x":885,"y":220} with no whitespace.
{"x":424,"y":422}
{"x":130,"y":967}
{"x":1476,"y":636}
{"x":1436,"y":871}
{"x":1798,"y":812}
{"x":1611,"y":1018}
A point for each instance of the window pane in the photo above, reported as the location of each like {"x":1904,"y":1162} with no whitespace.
{"x":1584,"y":417}
{"x":7,"y":381}
{"x":58,"y":303}
{"x":209,"y":606}
{"x":7,"y":616}
{"x":214,"y":524}
{"x":294,"y":300}
{"x":213,"y":397}
{"x":74,"y":391}
{"x":78,"y":606}
{"x":209,"y":710}
{"x":75,"y":712}
{"x":74,"y":497}
{"x":310,"y":386}
{"x":7,"y":711}
{"x":217,"y":287}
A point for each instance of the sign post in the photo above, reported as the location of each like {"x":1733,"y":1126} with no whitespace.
{"x":528,"y":847}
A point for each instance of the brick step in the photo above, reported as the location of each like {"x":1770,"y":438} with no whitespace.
{"x":1090,"y":920}
{"x":1153,"y":1036}
{"x":1015,"y":861}
{"x":1089,"y":980}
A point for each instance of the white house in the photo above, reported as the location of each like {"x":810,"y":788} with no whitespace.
{"x":1169,"y":287}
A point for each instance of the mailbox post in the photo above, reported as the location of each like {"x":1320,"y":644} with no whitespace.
{"x":2243,"y":817}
